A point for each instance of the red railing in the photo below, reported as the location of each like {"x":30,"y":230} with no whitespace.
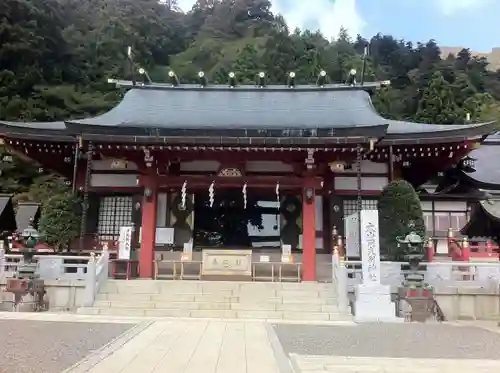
{"x":91,"y":243}
{"x":463,"y":250}
{"x":459,"y":249}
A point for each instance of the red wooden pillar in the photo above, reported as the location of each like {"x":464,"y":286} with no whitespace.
{"x":309,"y":230}
{"x":148,"y":232}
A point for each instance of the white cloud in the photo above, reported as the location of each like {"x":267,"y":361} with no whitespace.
{"x":452,"y":7}
{"x":326,"y":15}
{"x":186,"y":5}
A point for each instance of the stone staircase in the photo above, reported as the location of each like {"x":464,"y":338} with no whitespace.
{"x":217,"y":299}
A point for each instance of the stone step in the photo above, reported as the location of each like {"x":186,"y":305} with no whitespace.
{"x":256,"y":292}
{"x":249,"y":298}
{"x":221,"y":284}
{"x":230,"y":314}
{"x":299,"y":307}
{"x":157,"y":286}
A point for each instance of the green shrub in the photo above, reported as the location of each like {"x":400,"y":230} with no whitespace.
{"x":399,"y":213}
{"x":60,"y":220}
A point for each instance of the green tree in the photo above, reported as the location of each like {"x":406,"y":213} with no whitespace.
{"x":438,"y":103}
{"x":56,"y":57}
{"x":399,"y":208}
{"x":60,"y":220}
{"x":247,"y":65}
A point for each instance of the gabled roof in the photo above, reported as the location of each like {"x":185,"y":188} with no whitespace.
{"x":484,"y":221}
{"x":269,"y":115}
{"x":27,"y":214}
{"x":55,"y":131}
{"x":487,"y":171}
{"x":7,"y":218}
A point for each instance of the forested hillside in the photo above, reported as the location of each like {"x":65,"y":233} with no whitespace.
{"x":56,"y":55}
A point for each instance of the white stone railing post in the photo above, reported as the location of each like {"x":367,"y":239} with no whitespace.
{"x":339,"y":278}
{"x":90,"y":282}
{"x":102,"y":268}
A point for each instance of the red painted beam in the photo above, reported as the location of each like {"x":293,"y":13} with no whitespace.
{"x":220,"y":181}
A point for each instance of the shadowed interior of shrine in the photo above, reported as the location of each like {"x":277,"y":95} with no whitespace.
{"x":236,"y":220}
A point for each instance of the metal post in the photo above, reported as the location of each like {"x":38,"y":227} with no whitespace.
{"x":2,"y":259}
{"x":363,"y":70}
{"x":391,"y":164}
{"x":359,"y":201}
{"x":85,"y":204}
{"x":75,"y":165}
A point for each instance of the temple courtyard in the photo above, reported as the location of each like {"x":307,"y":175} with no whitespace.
{"x":54,"y":343}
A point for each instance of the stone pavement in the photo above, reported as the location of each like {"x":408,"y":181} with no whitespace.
{"x":343,"y":364}
{"x":34,"y":346}
{"x":162,"y":345}
{"x":192,"y":346}
{"x":392,"y":348}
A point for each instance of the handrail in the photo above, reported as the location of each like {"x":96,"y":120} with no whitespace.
{"x":437,"y":311}
{"x":97,"y":274}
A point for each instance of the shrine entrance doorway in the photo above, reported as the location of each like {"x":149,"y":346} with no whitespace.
{"x":237,"y":220}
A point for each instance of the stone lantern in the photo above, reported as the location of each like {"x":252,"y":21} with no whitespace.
{"x":27,"y":268}
{"x":414,"y":248}
{"x":414,"y":297}
{"x":27,"y":288}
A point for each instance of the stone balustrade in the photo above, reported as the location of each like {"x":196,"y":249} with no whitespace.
{"x":49,"y":267}
{"x":70,"y":281}
{"x":437,"y":274}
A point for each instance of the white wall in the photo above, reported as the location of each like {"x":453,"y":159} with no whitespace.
{"x":367,"y":183}
{"x":368,"y":167}
{"x":113,"y":180}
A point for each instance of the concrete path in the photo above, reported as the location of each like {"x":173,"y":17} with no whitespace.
{"x":187,"y":347}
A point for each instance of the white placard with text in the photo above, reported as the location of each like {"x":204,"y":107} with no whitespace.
{"x":125,"y":243}
{"x":351,"y":229}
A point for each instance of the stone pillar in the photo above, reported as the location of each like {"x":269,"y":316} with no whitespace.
{"x":309,"y":230}
{"x":373,"y":299}
{"x":148,"y":227}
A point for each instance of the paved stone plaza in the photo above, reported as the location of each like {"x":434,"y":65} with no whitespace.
{"x":32,"y":346}
{"x":52,"y":343}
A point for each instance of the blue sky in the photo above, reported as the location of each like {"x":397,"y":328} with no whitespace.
{"x":469,"y":23}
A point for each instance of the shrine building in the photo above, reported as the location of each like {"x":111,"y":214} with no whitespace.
{"x":231,"y":166}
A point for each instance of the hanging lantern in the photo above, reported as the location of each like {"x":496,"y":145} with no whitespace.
{"x":183,"y":195}
{"x":244,"y":191}
{"x":148,"y":158}
{"x":211,"y":193}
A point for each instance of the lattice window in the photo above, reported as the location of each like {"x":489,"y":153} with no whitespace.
{"x":351,"y":205}
{"x":114,"y":212}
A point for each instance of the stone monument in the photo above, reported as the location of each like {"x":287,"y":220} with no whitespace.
{"x":373,"y":300}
